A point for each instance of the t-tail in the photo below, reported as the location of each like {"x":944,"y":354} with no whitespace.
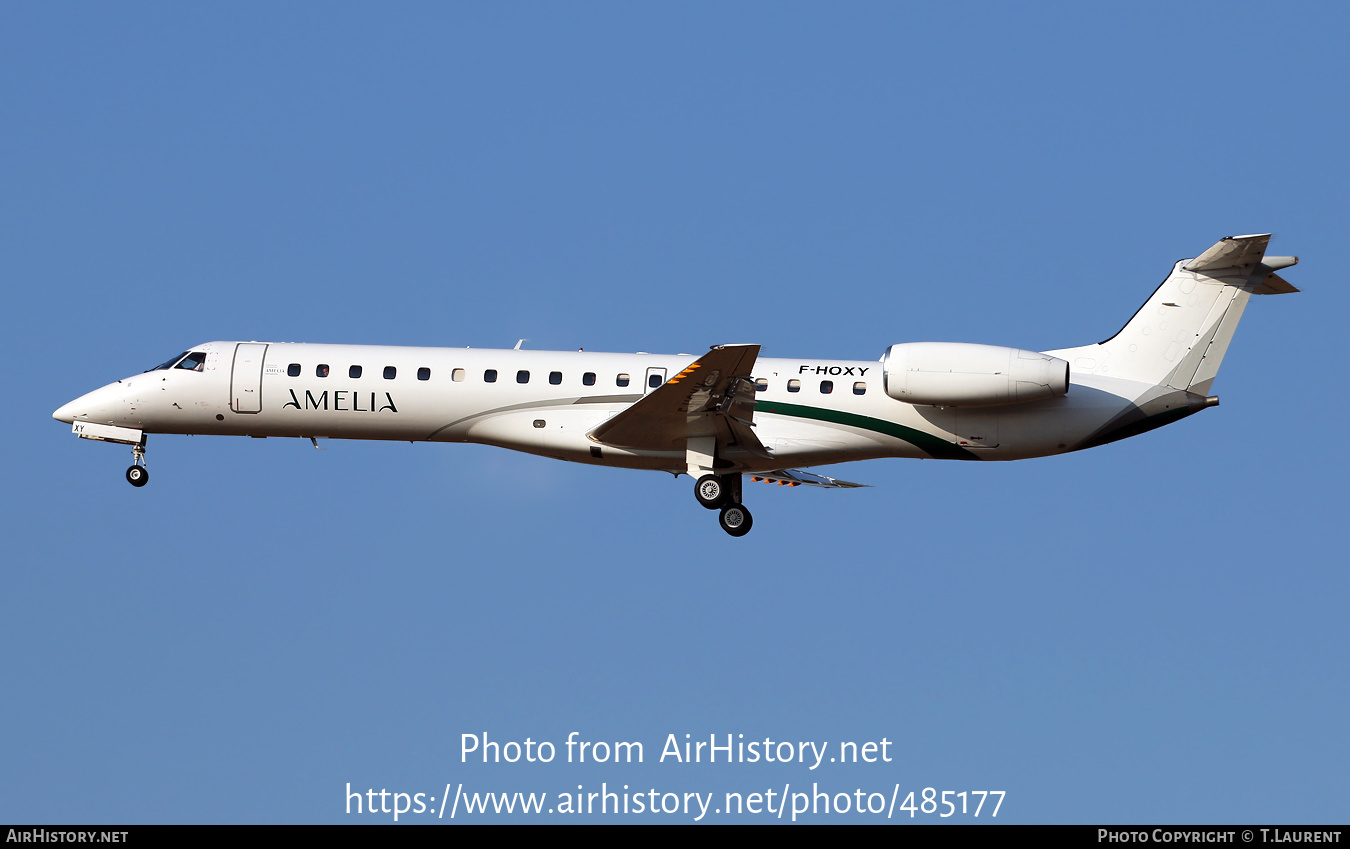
{"x":1177,"y":340}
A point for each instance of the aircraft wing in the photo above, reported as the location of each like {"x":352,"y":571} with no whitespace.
{"x":796,"y":477}
{"x":713,"y":396}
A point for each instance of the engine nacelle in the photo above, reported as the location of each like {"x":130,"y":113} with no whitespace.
{"x":961,"y":374}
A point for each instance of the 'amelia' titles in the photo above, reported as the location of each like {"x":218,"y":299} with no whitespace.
{"x":345,"y":400}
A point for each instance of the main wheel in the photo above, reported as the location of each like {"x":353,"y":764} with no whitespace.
{"x":735,"y":520}
{"x":138,"y":476}
{"x":710,"y":491}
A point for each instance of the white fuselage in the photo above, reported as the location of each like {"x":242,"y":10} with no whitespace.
{"x":809,"y":412}
{"x":722,"y":415}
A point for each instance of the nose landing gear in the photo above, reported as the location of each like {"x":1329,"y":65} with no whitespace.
{"x":138,"y":474}
{"x":723,"y":492}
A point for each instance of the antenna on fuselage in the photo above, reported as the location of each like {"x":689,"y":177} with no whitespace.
{"x":519,"y":343}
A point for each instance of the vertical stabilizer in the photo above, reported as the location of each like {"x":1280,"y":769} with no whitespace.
{"x":1179,"y":337}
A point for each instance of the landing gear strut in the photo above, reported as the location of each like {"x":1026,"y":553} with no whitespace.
{"x":138,"y":474}
{"x":723,"y":492}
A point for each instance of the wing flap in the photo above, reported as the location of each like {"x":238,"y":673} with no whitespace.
{"x":796,"y":477}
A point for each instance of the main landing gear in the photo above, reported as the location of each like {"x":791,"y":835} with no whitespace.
{"x":723,"y":492}
{"x":138,"y":474}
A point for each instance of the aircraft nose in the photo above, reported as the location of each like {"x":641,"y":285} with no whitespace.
{"x":103,"y":405}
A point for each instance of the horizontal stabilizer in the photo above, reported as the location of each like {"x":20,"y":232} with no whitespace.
{"x":796,"y":477}
{"x":1244,"y":256}
{"x":1274,"y":284}
{"x":1231,"y":252}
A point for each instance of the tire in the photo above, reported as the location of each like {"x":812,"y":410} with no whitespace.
{"x":138,"y":476}
{"x":735,"y":520}
{"x":710,"y":491}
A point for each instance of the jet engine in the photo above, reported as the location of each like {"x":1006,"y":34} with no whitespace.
{"x":961,"y":374}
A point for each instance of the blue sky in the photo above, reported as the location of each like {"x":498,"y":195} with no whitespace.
{"x":1149,"y":631}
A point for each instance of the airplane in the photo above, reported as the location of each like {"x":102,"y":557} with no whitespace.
{"x":723,"y":415}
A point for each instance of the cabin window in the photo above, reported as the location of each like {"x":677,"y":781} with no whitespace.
{"x":794,"y":386}
{"x":860,"y":388}
{"x":321,"y":370}
{"x":654,"y":380}
{"x":761,"y":385}
{"x":588,"y":378}
{"x":293,"y":369}
{"x":390,"y":372}
{"x":490,"y":376}
{"x":354,"y":372}
{"x":195,"y":361}
{"x":523,"y":376}
{"x":457,"y":375}
{"x":622,"y":380}
{"x":826,"y":387}
{"x":424,"y":374}
{"x":555,"y":377}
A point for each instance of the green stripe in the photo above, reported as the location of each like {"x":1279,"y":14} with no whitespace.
{"x":934,"y":446}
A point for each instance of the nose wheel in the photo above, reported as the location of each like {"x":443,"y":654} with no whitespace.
{"x":138,"y":474}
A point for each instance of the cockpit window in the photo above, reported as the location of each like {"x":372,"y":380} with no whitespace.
{"x":194,"y":361}
{"x":169,"y":362}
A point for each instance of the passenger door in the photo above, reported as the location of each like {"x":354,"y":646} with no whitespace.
{"x":246,"y":377}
